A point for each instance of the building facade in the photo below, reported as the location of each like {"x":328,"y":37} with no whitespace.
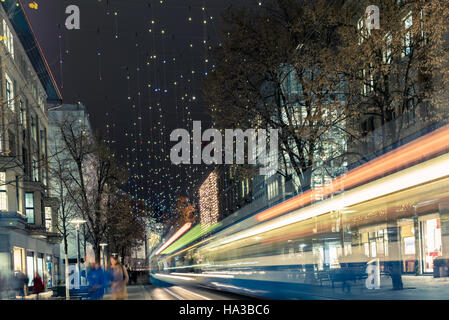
{"x":29,"y":241}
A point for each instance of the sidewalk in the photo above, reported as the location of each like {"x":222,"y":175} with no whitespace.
{"x":47,"y":295}
{"x":415,"y":288}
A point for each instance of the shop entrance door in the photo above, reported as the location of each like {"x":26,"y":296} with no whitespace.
{"x":431,"y":238}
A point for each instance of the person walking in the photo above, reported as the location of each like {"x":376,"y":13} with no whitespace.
{"x":20,"y":281}
{"x":96,"y":281}
{"x":38,"y":285}
{"x":119,"y":280}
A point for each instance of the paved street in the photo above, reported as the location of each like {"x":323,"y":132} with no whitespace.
{"x":415,"y":288}
{"x":151,"y":292}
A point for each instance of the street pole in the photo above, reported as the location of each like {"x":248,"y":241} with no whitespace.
{"x":103,"y":245}
{"x":79,"y":253}
{"x":77,"y":223}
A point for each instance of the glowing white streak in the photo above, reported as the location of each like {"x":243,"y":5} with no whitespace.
{"x":421,"y":173}
{"x":174,"y":277}
{"x":203,"y":275}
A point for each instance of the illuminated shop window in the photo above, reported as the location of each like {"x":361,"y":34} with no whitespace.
{"x":3,"y":195}
{"x":19,"y":259}
{"x":30,"y":267}
{"x":431,"y":242}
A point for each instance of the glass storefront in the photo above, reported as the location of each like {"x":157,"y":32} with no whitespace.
{"x":431,"y":240}
{"x":48,"y":271}
{"x":19,"y":259}
{"x":40,"y":265}
{"x":30,"y":267}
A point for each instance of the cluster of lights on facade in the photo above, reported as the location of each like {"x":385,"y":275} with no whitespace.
{"x":208,"y":198}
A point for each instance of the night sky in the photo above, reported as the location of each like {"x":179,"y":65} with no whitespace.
{"x":137,"y":65}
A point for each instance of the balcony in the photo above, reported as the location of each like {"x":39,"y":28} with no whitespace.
{"x":13,"y":220}
{"x":37,"y":231}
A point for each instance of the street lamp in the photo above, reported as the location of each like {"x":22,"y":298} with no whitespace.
{"x":102,"y":245}
{"x":77,"y":223}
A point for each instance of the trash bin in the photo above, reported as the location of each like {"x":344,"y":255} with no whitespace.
{"x":440,"y":268}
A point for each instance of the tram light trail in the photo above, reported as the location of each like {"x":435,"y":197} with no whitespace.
{"x":179,"y":233}
{"x":423,"y":147}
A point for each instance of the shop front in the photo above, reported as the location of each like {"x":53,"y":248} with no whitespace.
{"x":421,"y":243}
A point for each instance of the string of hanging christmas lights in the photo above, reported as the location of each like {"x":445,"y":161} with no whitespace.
{"x":161,"y":177}
{"x":170,"y":56}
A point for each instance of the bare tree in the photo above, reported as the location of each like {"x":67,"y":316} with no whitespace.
{"x":398,"y":74}
{"x":276,"y":68}
{"x":62,"y":184}
{"x":95,"y":174}
{"x":126,"y":225}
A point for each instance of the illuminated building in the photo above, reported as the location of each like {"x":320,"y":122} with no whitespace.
{"x":29,"y":241}
{"x":208,"y":200}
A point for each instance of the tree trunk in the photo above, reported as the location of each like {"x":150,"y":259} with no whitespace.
{"x":67,"y":284}
{"x":97,"y":250}
{"x":66,"y":258}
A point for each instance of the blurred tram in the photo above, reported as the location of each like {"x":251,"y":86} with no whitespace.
{"x":383,"y":225}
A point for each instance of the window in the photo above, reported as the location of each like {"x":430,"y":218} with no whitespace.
{"x":273,"y":189}
{"x":408,"y":22}
{"x":25,"y":161}
{"x":368,"y":82}
{"x":42,"y":103}
{"x":19,"y":259}
{"x":42,"y":142}
{"x":18,"y":194}
{"x":423,"y":33}
{"x":48,"y":220}
{"x":35,"y":170}
{"x":9,"y":38}
{"x":29,"y":206}
{"x":23,"y":114}
{"x":3,"y":195}
{"x":30,"y":267}
{"x":361,"y":28}
{"x":9,"y":93}
{"x":12,"y":143}
{"x":431,"y":238}
{"x":44,"y":175}
{"x":387,"y":51}
{"x":33,"y":128}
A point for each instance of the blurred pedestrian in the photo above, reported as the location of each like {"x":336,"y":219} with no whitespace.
{"x":38,"y":285}
{"x":107,"y":280}
{"x":119,"y":280}
{"x":20,"y":281}
{"x":3,"y":285}
{"x":396,"y":275}
{"x":96,"y":280}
